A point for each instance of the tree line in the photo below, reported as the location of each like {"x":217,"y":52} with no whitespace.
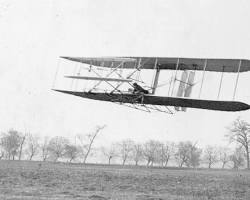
{"x":19,"y":146}
{"x":16,"y":145}
{"x":182,"y":154}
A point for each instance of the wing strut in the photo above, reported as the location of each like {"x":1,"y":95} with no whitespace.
{"x":177,"y":65}
{"x":203,"y":76}
{"x":221,"y":79}
{"x":237,"y":79}
{"x":156,"y":79}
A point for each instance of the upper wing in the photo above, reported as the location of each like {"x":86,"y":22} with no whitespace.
{"x":164,"y":101}
{"x":168,"y":63}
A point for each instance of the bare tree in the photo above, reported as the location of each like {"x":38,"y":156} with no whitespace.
{"x":166,"y":151}
{"x":151,"y":151}
{"x":71,"y":152}
{"x":2,"y":154}
{"x":45,"y":148}
{"x":10,"y":142}
{"x":194,"y":156}
{"x":237,"y":158}
{"x":32,"y":145}
{"x":187,"y":153}
{"x":87,"y":141}
{"x":22,"y":141}
{"x":239,"y":132}
{"x":224,"y":156}
{"x":182,"y":154}
{"x":110,"y":152}
{"x":211,"y":155}
{"x":56,"y":147}
{"x":137,"y":153}
{"x":125,"y":149}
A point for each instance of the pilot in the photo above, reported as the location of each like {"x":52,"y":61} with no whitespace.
{"x":139,"y":89}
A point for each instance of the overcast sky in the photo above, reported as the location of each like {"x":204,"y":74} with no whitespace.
{"x":33,"y":34}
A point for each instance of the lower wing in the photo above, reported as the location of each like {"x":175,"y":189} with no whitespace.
{"x":163,"y":101}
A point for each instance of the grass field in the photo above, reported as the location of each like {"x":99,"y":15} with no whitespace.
{"x":37,"y":180}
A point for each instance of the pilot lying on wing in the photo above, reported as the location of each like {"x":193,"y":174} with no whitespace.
{"x":139,"y":90}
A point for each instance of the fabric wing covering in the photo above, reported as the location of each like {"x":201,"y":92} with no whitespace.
{"x":168,"y":63}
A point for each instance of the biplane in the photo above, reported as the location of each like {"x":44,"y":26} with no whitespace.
{"x":131,"y":90}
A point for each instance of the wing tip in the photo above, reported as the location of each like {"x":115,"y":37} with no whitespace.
{"x":56,"y":90}
{"x":65,"y":57}
{"x":239,"y":106}
{"x":247,"y":106}
{"x":62,"y":91}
